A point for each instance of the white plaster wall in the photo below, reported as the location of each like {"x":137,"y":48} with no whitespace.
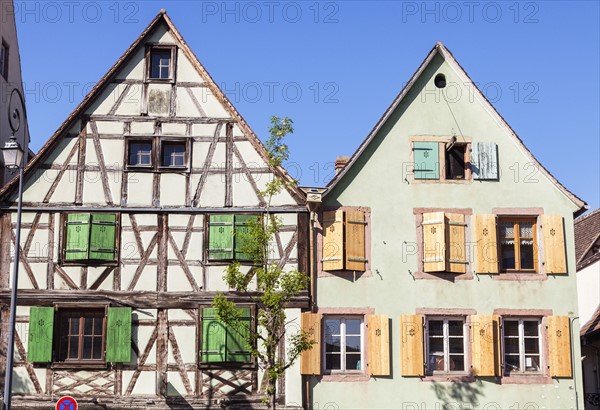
{"x":588,"y":291}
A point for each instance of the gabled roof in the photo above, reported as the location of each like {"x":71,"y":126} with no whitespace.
{"x":587,"y":235}
{"x":161,"y":18}
{"x":592,"y":326}
{"x":440,"y":49}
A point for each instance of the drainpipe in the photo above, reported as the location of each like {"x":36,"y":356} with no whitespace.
{"x":313,"y":299}
{"x":571,"y":320}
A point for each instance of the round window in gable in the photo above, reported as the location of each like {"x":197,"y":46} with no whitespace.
{"x":440,"y":81}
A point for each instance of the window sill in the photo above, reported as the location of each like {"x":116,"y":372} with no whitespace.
{"x":232,"y":365}
{"x":449,"y":377}
{"x":160,"y":80}
{"x":345,"y":377}
{"x":526,"y":379}
{"x":450,"y":276}
{"x":89,"y":263}
{"x":80,"y":365}
{"x":345,"y":274}
{"x":443,"y":181}
{"x":524,"y":276}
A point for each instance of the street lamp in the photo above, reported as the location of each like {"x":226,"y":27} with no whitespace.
{"x":12,"y":154}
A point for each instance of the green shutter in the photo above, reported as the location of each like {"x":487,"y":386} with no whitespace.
{"x":426,"y":160}
{"x":41,"y":331}
{"x":102,"y":237}
{"x":237,"y":345}
{"x":78,"y":235}
{"x":118,"y":335}
{"x":242,"y":231}
{"x":213,"y":337}
{"x":220,"y":237}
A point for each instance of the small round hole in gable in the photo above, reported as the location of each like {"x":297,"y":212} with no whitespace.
{"x":440,"y":81}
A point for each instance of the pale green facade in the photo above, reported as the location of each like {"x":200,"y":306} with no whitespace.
{"x":380,"y":178}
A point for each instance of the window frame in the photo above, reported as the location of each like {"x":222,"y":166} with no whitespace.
{"x":156,"y":154}
{"x":522,"y":353}
{"x":446,"y":345}
{"x":89,"y":262}
{"x":443,"y":142}
{"x":251,"y":364}
{"x":343,"y":370}
{"x":4,"y":56}
{"x":533,"y":219}
{"x":172,"y":63}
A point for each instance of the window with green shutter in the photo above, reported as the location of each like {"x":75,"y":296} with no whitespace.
{"x":426,"y":160}
{"x":90,"y":237}
{"x":227,"y":235}
{"x":225,"y":344}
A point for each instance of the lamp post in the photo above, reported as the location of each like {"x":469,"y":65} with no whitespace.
{"x":13,"y":159}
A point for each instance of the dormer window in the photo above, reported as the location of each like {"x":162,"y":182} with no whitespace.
{"x":160,"y":63}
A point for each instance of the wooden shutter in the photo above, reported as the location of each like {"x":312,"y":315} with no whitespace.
{"x":555,"y":260}
{"x":78,"y":236}
{"x":238,"y":335}
{"x":378,"y":343}
{"x":426,"y":160}
{"x":310,"y":360}
{"x":41,"y":332}
{"x":103,"y":236}
{"x":434,"y":242}
{"x":118,"y":335}
{"x":355,"y":240}
{"x":241,"y":239}
{"x":456,"y":246}
{"x":484,"y":160}
{"x":213,"y":337}
{"x":559,"y":346}
{"x":220,"y":237}
{"x":333,"y":240}
{"x":485,"y":354}
{"x":486,"y":247}
{"x":411,"y":345}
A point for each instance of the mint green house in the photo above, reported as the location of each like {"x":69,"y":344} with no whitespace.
{"x":444,"y":263}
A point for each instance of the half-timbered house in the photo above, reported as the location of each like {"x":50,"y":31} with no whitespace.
{"x":130,"y":215}
{"x":445,"y":263}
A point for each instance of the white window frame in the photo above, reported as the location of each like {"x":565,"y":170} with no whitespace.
{"x":522,"y":336}
{"x":342,"y":336}
{"x":446,"y":341}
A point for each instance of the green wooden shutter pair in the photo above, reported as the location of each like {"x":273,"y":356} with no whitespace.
{"x":41,"y":332}
{"x":227,"y":236}
{"x":90,"y":237}
{"x":221,"y":344}
{"x":426,"y":160}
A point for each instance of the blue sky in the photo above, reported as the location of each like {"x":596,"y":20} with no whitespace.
{"x":334,"y":67}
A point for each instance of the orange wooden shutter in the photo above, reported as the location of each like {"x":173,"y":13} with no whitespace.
{"x":333,"y":240}
{"x":456,"y":246}
{"x":559,"y":346}
{"x":555,"y":260}
{"x":485,"y":352}
{"x":355,"y":240}
{"x":434,"y":242}
{"x":411,"y":345}
{"x":310,"y":360}
{"x":378,"y":342}
{"x":486,"y":247}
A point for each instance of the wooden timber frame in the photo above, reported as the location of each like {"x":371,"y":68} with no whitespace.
{"x":161,"y":269}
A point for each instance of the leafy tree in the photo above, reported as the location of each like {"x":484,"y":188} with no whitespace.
{"x":275,"y":285}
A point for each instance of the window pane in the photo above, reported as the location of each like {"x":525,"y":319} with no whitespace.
{"x":526,"y":230}
{"x":532,"y":363}
{"x":173,"y":155}
{"x":457,"y":362}
{"x":353,"y":362}
{"x":160,"y":61}
{"x":508,"y":256}
{"x":332,"y":361}
{"x":353,"y":344}
{"x":74,"y":329}
{"x":455,"y":163}
{"x":455,"y":327}
{"x":332,"y":326}
{"x":88,"y":324}
{"x":140,"y":153}
{"x":511,"y":345}
{"x":531,"y":327}
{"x":532,"y":345}
{"x":352,"y":326}
{"x":435,"y":327}
{"x":527,"y":254}
{"x":457,"y":345}
{"x":97,"y":347}
{"x":73,"y":347}
{"x":511,"y":328}
{"x":87,"y":347}
{"x":507,"y":229}
{"x":511,"y":363}
{"x":98,"y":326}
{"x":332,"y":344}
{"x":436,"y":362}
{"x":436,"y":345}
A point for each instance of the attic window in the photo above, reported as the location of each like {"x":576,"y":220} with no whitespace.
{"x":440,"y":81}
{"x":160,"y":62}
